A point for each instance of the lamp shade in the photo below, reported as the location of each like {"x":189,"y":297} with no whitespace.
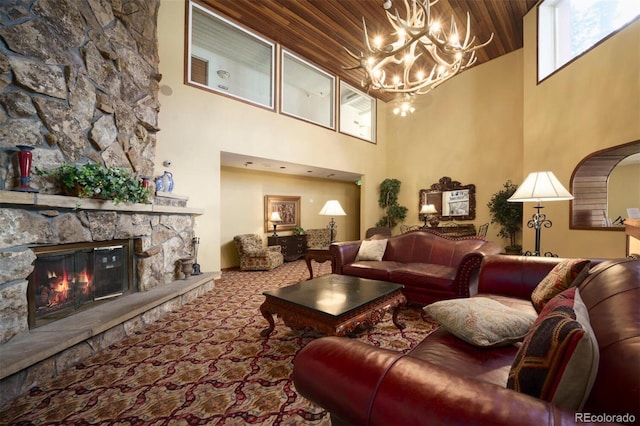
{"x":332,"y":208}
{"x":540,"y":186}
{"x":275,"y":217}
{"x":428,"y":209}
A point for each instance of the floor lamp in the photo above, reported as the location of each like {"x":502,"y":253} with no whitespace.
{"x":538,"y":187}
{"x":332,"y":208}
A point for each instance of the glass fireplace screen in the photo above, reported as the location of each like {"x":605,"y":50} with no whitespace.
{"x":71,"y":277}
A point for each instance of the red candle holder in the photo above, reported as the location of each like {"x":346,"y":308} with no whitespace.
{"x":24,"y":161}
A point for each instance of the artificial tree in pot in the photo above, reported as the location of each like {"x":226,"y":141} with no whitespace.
{"x":394,"y":212}
{"x":508,"y":215}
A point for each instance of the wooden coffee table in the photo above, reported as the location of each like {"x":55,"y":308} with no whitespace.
{"x":333,"y":304}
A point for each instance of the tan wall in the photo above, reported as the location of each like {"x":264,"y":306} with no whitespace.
{"x":589,"y":105}
{"x":197,"y":125}
{"x":622,"y":190}
{"x":244,"y":191}
{"x":489,"y":124}
{"x":469,"y":129}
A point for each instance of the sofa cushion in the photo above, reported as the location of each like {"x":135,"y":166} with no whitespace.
{"x":370,"y":269}
{"x":558,"y":359}
{"x":436,"y":277}
{"x":565,"y":274}
{"x":481,"y":321}
{"x":371,"y":250}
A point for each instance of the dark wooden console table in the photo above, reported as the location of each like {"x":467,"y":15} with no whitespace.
{"x":294,"y":247}
{"x":458,"y":230}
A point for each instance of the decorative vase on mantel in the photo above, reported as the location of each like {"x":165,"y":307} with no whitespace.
{"x":24,"y":161}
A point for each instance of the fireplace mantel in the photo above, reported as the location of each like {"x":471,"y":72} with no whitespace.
{"x":37,"y":200}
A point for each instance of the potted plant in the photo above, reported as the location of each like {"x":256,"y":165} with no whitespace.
{"x":508,"y":215}
{"x":389,"y":190}
{"x":95,"y":181}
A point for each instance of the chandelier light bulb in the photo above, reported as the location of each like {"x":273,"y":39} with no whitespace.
{"x":377,"y":41}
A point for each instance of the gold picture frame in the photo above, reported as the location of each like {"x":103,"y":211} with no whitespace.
{"x":289,"y":209}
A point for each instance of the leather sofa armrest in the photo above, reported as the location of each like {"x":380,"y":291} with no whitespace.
{"x":365,"y":385}
{"x":514,"y":276}
{"x":469,"y":267}
{"x":344,"y":253}
{"x":467,"y":272}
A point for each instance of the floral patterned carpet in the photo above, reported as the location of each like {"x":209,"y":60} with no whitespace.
{"x":205,"y":364}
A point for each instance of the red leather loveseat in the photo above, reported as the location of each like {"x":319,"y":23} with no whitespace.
{"x":431,"y":266}
{"x":446,"y":381}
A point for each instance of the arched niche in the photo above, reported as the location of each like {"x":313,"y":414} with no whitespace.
{"x":590,"y":187}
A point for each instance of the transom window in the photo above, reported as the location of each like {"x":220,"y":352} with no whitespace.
{"x":228,"y":59}
{"x":568,"y":28}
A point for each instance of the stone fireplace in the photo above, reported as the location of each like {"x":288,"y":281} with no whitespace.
{"x":113,"y":267}
{"x":79,"y":84}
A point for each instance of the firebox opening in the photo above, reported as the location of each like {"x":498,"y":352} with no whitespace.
{"x":69,"y":278}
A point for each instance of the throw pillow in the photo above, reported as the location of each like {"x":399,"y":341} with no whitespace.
{"x":558,"y":359}
{"x":481,"y":321}
{"x":371,"y":250}
{"x":567,"y":273}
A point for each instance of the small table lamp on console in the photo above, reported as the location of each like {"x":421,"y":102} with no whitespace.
{"x":332,"y":208}
{"x":275,"y":219}
{"x":427,"y":210}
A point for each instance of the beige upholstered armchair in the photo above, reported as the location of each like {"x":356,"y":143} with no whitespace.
{"x":318,"y":239}
{"x":254,"y":256}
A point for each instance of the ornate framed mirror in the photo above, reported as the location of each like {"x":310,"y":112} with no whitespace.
{"x":451,"y":199}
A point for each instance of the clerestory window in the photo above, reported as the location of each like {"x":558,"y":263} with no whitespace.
{"x":228,"y":59}
{"x":568,"y":28}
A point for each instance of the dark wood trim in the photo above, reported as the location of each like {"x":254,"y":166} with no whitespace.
{"x":589,"y":186}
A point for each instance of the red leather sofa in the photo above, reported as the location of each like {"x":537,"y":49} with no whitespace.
{"x":445,"y":381}
{"x":430,"y":266}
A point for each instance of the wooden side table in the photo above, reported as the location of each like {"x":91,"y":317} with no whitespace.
{"x":320,"y":256}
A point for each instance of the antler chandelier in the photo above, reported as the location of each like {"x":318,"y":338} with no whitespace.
{"x":423,"y":54}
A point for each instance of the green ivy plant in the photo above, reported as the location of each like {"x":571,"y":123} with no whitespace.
{"x":395,"y":213}
{"x":96,"y":181}
{"x":506,"y":214}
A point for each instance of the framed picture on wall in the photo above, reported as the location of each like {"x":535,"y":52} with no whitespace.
{"x":287,"y":207}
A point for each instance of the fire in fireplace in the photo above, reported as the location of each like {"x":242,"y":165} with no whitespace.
{"x":71,"y":277}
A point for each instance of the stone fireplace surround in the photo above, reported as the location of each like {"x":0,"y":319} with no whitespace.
{"x":161,"y":234}
{"x":79,"y":83}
